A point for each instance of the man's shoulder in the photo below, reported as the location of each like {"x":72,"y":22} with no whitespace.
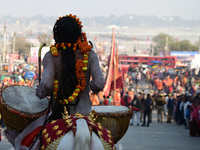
{"x":92,"y":56}
{"x":92,"y":53}
{"x":48,"y":55}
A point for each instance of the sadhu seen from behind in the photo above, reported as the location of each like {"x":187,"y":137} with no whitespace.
{"x":67,"y":70}
{"x":69,"y":122}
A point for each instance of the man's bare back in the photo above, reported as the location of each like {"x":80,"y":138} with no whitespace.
{"x":53,"y":69}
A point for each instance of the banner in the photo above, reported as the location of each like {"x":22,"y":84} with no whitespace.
{"x":34,"y":53}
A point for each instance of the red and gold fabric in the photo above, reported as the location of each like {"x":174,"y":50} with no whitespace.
{"x":58,"y":128}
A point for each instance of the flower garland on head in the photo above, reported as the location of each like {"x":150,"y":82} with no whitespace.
{"x":81,"y":64}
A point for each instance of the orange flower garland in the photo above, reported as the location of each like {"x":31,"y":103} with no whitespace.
{"x":81,"y":64}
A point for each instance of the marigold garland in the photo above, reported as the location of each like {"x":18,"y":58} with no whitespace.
{"x":81,"y":64}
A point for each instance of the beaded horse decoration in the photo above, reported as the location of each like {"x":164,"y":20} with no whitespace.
{"x":55,"y":130}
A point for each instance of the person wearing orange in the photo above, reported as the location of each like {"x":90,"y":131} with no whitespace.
{"x":117,"y":98}
{"x":168,"y":81}
{"x":156,"y":83}
{"x":100,"y":96}
{"x":184,"y":81}
{"x":94,"y":99}
{"x":160,"y":85}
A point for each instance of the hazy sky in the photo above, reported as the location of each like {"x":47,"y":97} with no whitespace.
{"x":186,"y":9}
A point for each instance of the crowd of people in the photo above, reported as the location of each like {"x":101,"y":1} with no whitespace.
{"x":175,"y":96}
{"x":18,"y":75}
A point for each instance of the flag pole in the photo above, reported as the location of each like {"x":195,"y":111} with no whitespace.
{"x":39,"y":60}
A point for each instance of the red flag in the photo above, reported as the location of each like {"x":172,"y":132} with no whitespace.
{"x":110,"y":69}
{"x":119,"y":83}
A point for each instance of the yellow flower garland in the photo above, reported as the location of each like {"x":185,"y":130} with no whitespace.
{"x":81,"y":65}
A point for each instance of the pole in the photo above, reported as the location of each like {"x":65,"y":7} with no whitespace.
{"x":166,"y":45}
{"x":13,"y":50}
{"x":39,"y":60}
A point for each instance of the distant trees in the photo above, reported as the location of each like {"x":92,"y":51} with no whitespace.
{"x":163,"y":41}
{"x":160,"y":40}
{"x":22,"y":46}
{"x":183,"y":45}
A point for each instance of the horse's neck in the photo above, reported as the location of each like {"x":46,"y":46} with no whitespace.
{"x":82,"y":140}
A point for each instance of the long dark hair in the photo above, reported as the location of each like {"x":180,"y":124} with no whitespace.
{"x":67,"y":30}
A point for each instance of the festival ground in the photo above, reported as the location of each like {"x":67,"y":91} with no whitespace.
{"x":156,"y":137}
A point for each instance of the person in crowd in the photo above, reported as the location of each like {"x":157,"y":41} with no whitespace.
{"x":187,"y":115}
{"x":147,"y":107}
{"x":94,"y":99}
{"x":135,"y":106}
{"x":165,"y":105}
{"x":170,"y":107}
{"x":133,"y":76}
{"x":105,"y":101}
{"x":126,"y":100}
{"x":110,"y":99}
{"x":117,"y":98}
{"x":195,"y":118}
{"x":182,"y":110}
{"x":152,"y":106}
{"x":186,"y":103}
{"x":142,"y":100}
{"x":179,"y":99}
{"x":160,"y":107}
{"x":100,"y":96}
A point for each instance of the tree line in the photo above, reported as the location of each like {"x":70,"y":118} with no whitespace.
{"x":161,"y":42}
{"x":165,"y":42}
